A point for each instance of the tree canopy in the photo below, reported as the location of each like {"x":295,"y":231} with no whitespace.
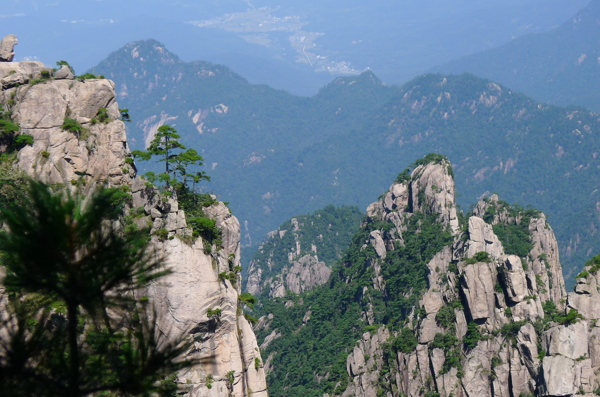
{"x":179,"y":162}
{"x":74,"y":324}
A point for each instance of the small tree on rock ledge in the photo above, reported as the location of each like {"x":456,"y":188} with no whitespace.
{"x":178,"y":161}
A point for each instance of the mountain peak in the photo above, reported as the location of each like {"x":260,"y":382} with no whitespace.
{"x":145,"y":51}
{"x":365,"y":80}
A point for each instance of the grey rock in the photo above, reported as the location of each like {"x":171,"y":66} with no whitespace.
{"x":378,"y":243}
{"x":64,"y":73}
{"x":27,"y":68}
{"x":13,"y":80}
{"x":7,"y":45}
{"x":527,"y":346}
{"x":184,"y":296}
{"x":306,"y":273}
{"x":478,"y":283}
{"x":438,"y":186}
{"x":482,"y":239}
{"x":514,"y":278}
{"x":570,"y":341}
{"x":558,"y":376}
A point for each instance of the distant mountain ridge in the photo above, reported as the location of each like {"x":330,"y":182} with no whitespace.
{"x":561,"y":66}
{"x":274,"y":155}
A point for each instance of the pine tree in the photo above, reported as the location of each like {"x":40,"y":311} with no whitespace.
{"x":72,"y":325}
{"x":167,"y":147}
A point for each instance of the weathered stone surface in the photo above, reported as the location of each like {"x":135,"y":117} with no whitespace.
{"x":26,"y":68}
{"x":56,"y":156}
{"x":478,"y":370}
{"x":64,"y":73}
{"x":570,"y":341}
{"x":225,"y":343}
{"x":301,"y":272}
{"x":594,"y":346}
{"x":519,"y":375}
{"x":527,"y":345}
{"x":365,"y":371}
{"x":513,"y":276}
{"x":377,"y":243}
{"x":546,"y":262}
{"x":305,"y":273}
{"x":482,"y":239}
{"x":478,"y":287}
{"x":505,"y":361}
{"x":438,"y":187}
{"x":586,"y":297}
{"x":7,"y":45}
{"x":13,"y":80}
{"x":558,"y":376}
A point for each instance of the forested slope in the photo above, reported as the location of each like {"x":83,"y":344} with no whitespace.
{"x":274,"y":155}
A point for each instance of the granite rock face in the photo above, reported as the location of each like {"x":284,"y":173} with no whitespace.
{"x":7,"y":45}
{"x":298,"y":255}
{"x":510,"y":342}
{"x":98,"y":154}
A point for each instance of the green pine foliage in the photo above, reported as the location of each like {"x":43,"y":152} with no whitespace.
{"x":67,"y":265}
{"x":181,"y":175}
{"x":9,"y":133}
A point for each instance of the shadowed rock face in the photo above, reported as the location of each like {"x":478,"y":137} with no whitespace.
{"x":97,"y":155}
{"x":520,"y":349}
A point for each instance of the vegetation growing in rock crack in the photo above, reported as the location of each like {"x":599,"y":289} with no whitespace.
{"x":182,"y":176}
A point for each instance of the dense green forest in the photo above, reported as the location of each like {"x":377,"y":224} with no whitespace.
{"x":274,"y":155}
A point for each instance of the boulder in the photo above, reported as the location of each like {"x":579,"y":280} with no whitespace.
{"x":64,"y":73}
{"x":570,"y":341}
{"x":13,"y":80}
{"x":482,"y":239}
{"x":478,"y":283}
{"x":513,"y":275}
{"x":7,"y":46}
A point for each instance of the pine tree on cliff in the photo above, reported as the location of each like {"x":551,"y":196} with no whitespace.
{"x":178,"y":164}
{"x":72,"y":325}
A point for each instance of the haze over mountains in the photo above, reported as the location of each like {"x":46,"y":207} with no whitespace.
{"x":296,"y":46}
{"x":561,"y":66}
{"x":274,"y":155}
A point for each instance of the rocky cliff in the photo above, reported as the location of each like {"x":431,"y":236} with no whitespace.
{"x":300,"y":253}
{"x":494,"y":320}
{"x":429,"y":302}
{"x":194,"y":301}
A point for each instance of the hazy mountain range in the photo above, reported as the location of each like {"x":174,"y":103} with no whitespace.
{"x":561,"y":66}
{"x":295,"y":46}
{"x":274,"y":155}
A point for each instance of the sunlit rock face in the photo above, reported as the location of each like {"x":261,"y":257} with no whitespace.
{"x":98,"y":154}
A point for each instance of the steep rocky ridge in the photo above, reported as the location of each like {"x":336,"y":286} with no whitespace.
{"x":431,"y":303}
{"x":99,"y":155}
{"x":300,"y":253}
{"x":489,"y":324}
